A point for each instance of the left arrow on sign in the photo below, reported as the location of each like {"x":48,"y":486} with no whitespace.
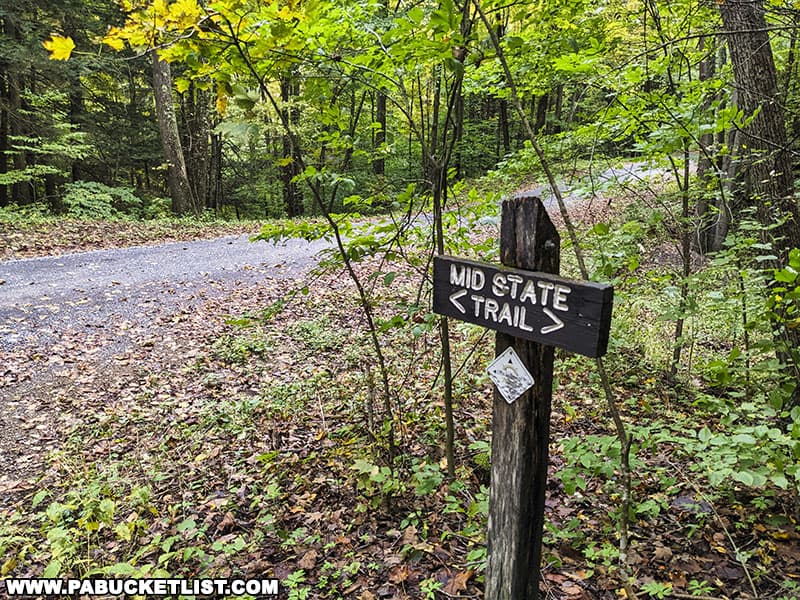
{"x":557,"y":323}
{"x":454,"y":299}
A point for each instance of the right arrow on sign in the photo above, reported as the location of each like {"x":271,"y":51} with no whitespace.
{"x":557,"y":323}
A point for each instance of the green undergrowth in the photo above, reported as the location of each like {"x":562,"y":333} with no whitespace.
{"x":273,"y":466}
{"x":268,"y":453}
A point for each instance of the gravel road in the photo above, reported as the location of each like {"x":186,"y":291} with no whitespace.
{"x":85,"y":321}
{"x":42,"y":297}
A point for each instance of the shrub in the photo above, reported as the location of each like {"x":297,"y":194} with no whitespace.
{"x":91,"y":200}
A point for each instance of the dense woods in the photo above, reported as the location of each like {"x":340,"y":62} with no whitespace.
{"x":382,"y":95}
{"x":664,"y":137}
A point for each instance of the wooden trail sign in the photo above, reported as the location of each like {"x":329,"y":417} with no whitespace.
{"x":533,"y":310}
{"x":537,"y":306}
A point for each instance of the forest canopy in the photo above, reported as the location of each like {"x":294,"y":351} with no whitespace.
{"x":230,"y":106}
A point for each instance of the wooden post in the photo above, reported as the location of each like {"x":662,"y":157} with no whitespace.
{"x":533,"y":310}
{"x":521,"y":430}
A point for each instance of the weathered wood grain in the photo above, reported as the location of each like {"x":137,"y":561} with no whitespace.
{"x":521,"y":431}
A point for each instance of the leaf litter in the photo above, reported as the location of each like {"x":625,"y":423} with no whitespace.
{"x":241,"y":437}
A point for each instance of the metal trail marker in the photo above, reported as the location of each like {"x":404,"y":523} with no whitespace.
{"x":533,"y":310}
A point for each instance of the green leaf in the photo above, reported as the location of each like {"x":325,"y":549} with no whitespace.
{"x":415,"y":15}
{"x":121,"y":568}
{"x":715,"y":478}
{"x":52,"y":570}
{"x":186,"y":525}
{"x":794,"y":258}
{"x":787,"y":275}
{"x":56,"y":535}
{"x":123,"y":532}
{"x":744,"y":439}
{"x":513,"y":42}
{"x":40,"y":495}
{"x":704,"y":434}
{"x":107,"y":507}
{"x":780,"y":481}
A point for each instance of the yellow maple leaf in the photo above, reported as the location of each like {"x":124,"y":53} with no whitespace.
{"x":185,"y":13}
{"x":114,"y":38}
{"x":60,"y":48}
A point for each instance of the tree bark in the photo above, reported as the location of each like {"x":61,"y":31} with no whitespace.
{"x":763,"y":170}
{"x":215,"y":171}
{"x":197,"y":131}
{"x":21,"y":193}
{"x":183,"y":201}
{"x":379,"y":163}
{"x":292,"y":194}
{"x":379,"y":137}
{"x":72,"y":28}
{"x":4,"y":197}
{"x":555,"y":126}
{"x":542,"y":104}
{"x":764,"y":175}
{"x":504,"y":132}
{"x":706,"y":217}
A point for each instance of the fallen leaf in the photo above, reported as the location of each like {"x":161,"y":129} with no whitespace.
{"x":308,"y":561}
{"x":457,"y":583}
{"x":227,"y":524}
{"x":571,"y":588}
{"x":662,"y":553}
{"x":399,"y":574}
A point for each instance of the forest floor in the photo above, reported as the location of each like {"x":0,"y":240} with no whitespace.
{"x":243,"y":435}
{"x":55,"y":237}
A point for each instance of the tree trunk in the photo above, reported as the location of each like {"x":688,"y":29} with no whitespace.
{"x":292,"y":194}
{"x":791,"y":59}
{"x":541,"y":113}
{"x":53,"y":198}
{"x":215,"y":170}
{"x":180,"y":189}
{"x":4,"y":198}
{"x":706,"y":217}
{"x":379,"y":163}
{"x":76,"y":118}
{"x":503,"y":126}
{"x":764,"y":170}
{"x":504,"y":130}
{"x":555,"y":126}
{"x":197,"y":131}
{"x":458,"y":117}
{"x":73,"y":29}
{"x":379,"y":137}
{"x":21,"y":193}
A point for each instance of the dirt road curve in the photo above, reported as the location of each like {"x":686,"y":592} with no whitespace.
{"x":60,"y":314}
{"x":41,"y":297}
